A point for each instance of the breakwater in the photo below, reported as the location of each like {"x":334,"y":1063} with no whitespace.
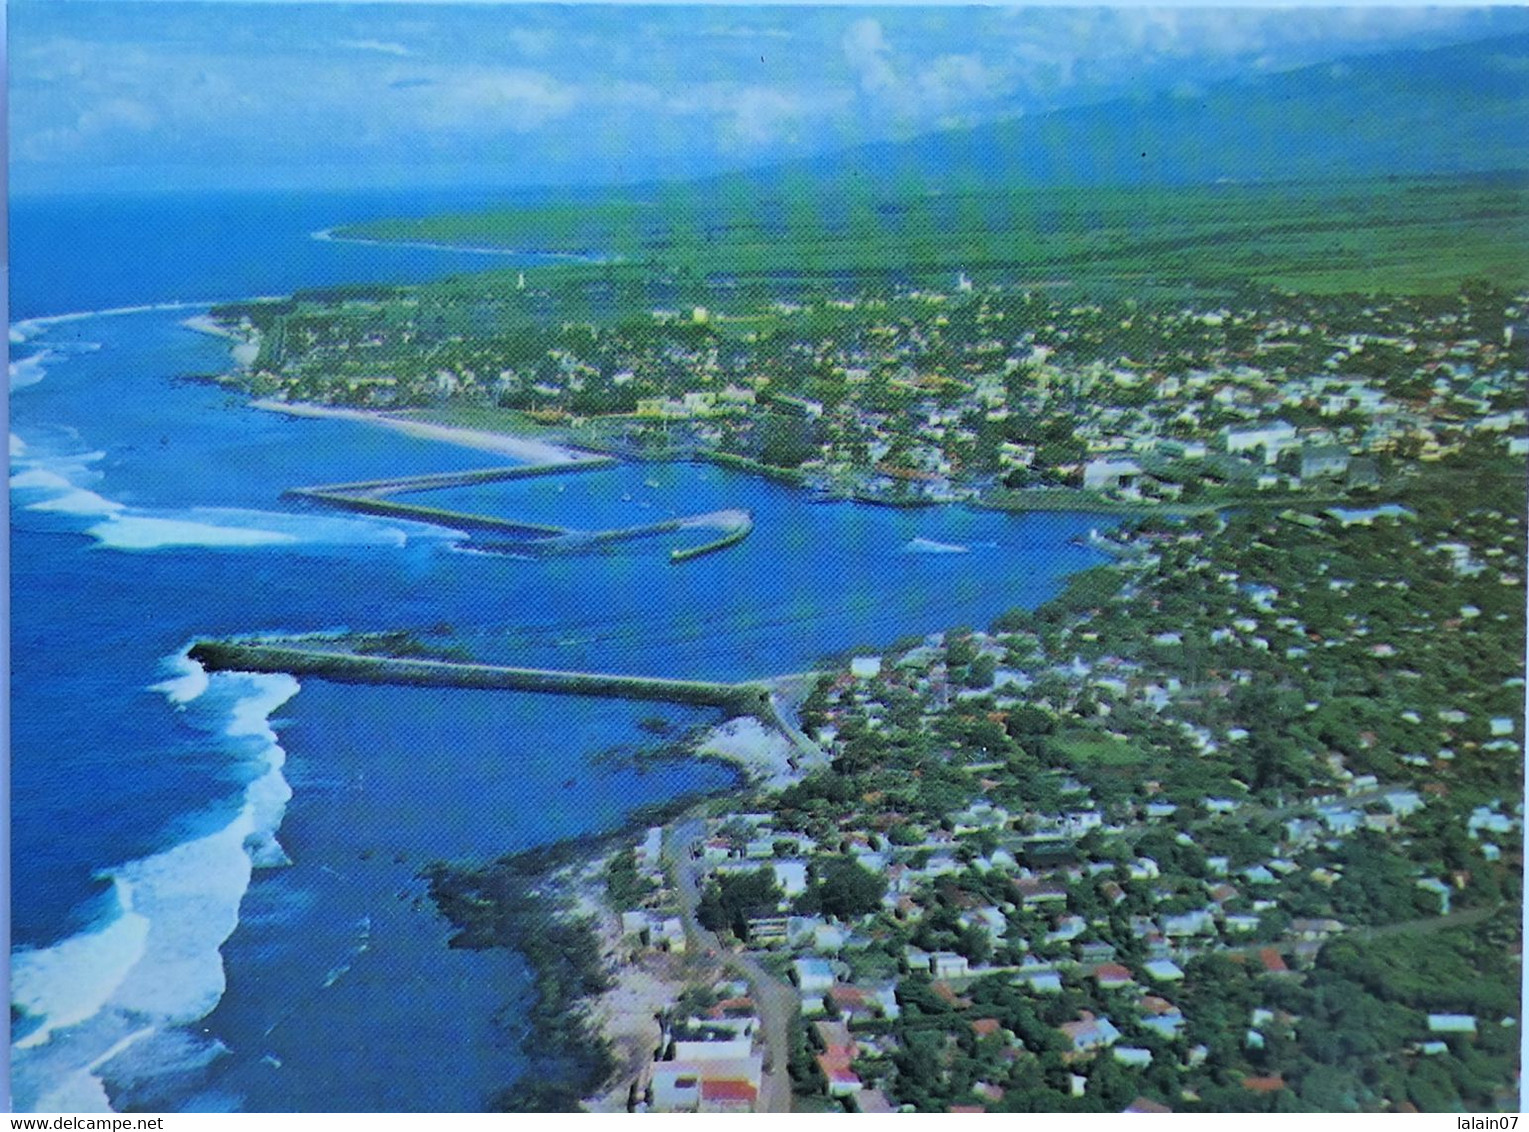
{"x":372,"y":497}
{"x":461,"y":520}
{"x":737,"y":528}
{"x":434,"y":480}
{"x":354,"y":668}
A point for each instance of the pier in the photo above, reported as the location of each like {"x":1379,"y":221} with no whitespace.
{"x":354,"y":668}
{"x":371,"y":497}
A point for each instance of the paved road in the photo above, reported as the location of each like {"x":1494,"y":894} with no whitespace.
{"x":776,"y":1001}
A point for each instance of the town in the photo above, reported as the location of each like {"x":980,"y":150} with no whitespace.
{"x":1231,"y":824}
{"x":1000,"y":395}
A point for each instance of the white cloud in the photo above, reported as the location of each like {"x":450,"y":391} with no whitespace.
{"x":869,"y":56}
{"x":380,"y":46}
{"x":486,"y":100}
{"x":960,"y":78}
{"x":741,"y":31}
{"x":113,"y":117}
{"x":231,"y":92}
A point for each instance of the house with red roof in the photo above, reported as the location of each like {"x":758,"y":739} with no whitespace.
{"x":726,"y":1095}
{"x":692,"y":1084}
{"x":1112,"y":976}
{"x":842,"y":1080}
{"x":1273,"y":963}
{"x":839,"y":1052}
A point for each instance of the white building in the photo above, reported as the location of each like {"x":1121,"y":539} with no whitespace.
{"x":1273,"y":438}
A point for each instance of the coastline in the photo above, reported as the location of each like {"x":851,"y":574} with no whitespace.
{"x":640,"y":984}
{"x":625,"y":1015}
{"x":337,"y":236}
{"x":520,"y":448}
{"x":245,"y":348}
{"x":762,"y":752}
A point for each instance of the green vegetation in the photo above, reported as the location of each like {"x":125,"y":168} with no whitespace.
{"x":624,"y":885}
{"x":1397,"y":234}
{"x":846,"y":889}
{"x":497,"y":906}
{"x":727,"y":904}
{"x":1083,"y":749}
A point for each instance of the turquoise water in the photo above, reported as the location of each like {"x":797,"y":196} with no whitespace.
{"x":215,"y":903}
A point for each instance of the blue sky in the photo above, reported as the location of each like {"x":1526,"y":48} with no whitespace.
{"x":192,"y":94}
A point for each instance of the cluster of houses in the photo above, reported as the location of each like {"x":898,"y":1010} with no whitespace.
{"x":1188,"y":397}
{"x":713,"y":1067}
{"x":709,"y":1063}
{"x":1046,"y":869}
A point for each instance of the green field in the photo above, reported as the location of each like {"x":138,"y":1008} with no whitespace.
{"x":1088,"y":748}
{"x":1399,"y":235}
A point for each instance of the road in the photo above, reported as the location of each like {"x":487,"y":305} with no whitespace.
{"x":777,"y":1002}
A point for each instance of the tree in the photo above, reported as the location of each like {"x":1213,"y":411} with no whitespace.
{"x":1431,"y":1089}
{"x":1327,"y":1088}
{"x":847,"y":890}
{"x":974,"y":943}
{"x":785,"y":441}
{"x":737,"y":896}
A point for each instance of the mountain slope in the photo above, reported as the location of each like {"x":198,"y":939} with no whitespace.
{"x":1358,"y":174}
{"x":1457,"y":109}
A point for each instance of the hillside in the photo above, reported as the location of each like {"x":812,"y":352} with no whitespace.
{"x":1376,"y":173}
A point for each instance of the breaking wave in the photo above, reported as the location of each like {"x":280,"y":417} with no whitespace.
{"x":153,"y":963}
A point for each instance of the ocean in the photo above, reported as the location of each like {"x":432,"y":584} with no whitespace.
{"x":215,"y":894}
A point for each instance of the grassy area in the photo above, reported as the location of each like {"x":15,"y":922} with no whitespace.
{"x":1411,"y":235}
{"x":1086,"y":747}
{"x":488,"y":418}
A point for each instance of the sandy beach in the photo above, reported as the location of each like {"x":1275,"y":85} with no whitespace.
{"x":763,"y":752}
{"x":520,"y":447}
{"x":245,"y":349}
{"x":642,"y":988}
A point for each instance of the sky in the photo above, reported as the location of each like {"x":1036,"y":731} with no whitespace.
{"x":135,"y":93}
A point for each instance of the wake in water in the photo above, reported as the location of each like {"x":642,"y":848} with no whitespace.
{"x":153,"y":964}
{"x":930,"y":546}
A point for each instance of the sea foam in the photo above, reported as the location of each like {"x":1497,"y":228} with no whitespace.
{"x":156,"y":963}
{"x":148,"y":532}
{"x":72,"y":980}
{"x":75,"y":501}
{"x":55,"y":483}
{"x":30,"y":370}
{"x":27,"y":329}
